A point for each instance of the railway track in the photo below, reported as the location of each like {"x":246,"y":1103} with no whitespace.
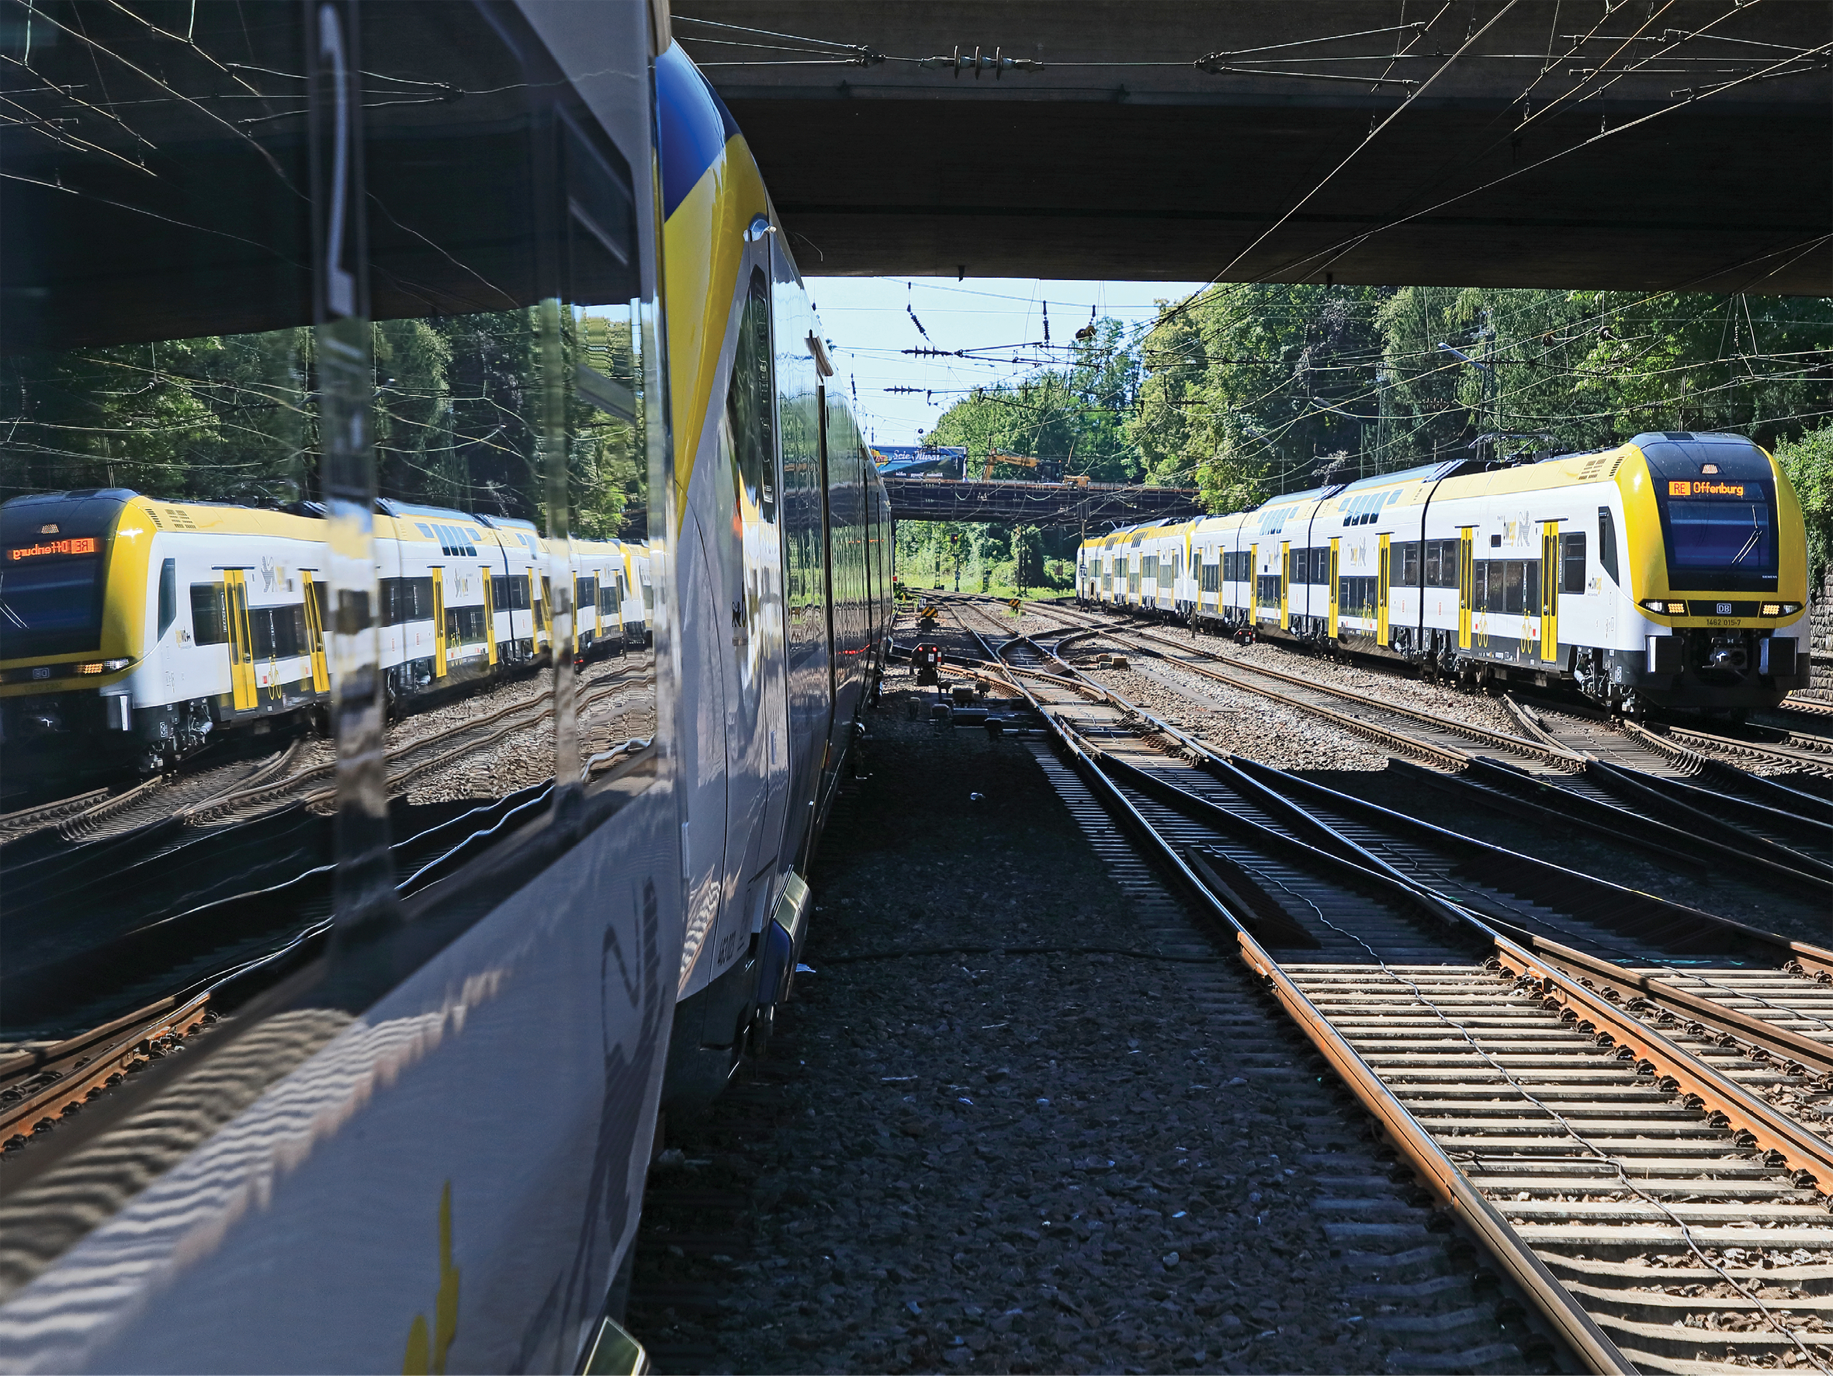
{"x":101,"y":924}
{"x":1638,"y":1141}
{"x":226,"y":794}
{"x":1627,"y":785}
{"x":410,"y":761}
{"x":39,"y":1084}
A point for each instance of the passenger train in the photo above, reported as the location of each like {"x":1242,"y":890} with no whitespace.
{"x":425,"y":1148}
{"x":1669,"y":572}
{"x":141,"y":627}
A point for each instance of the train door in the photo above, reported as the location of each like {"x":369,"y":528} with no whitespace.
{"x":1331,"y":590}
{"x":768,"y":558}
{"x":1549,"y":591}
{"x":1253,"y":584}
{"x":1285,"y":584}
{"x":757,"y":717}
{"x":439,"y":621}
{"x":483,"y":574}
{"x":315,"y":634}
{"x":241,"y":643}
{"x":1466,"y":575}
{"x":1381,"y":594}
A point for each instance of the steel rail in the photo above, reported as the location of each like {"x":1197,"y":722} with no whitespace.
{"x":1773,"y":1040}
{"x":1697,"y":754}
{"x":1729,"y":840}
{"x":1561,"y":1310}
{"x":27,"y":820}
{"x":541,"y":707}
{"x":1447,"y":756}
{"x":1770,"y":1129}
{"x":73,"y":829}
{"x":1761,"y":1125}
{"x":81,"y":1067}
{"x":1518,"y":745}
{"x":1805,"y":759}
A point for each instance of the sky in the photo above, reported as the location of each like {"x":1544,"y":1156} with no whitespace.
{"x":869,"y":320}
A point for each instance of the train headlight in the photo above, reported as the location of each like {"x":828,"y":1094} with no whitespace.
{"x":1655,"y":604}
{"x":1790,"y":608}
{"x":1771,"y":609}
{"x":104,"y":666}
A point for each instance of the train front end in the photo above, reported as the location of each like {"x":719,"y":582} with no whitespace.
{"x":1716,"y":556}
{"x":73,"y":577}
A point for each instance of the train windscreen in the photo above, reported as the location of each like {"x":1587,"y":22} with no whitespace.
{"x":50,"y":603}
{"x":1718,"y":513}
{"x":1721,"y":534}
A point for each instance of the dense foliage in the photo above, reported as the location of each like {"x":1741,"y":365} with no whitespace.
{"x":1249,"y":390}
{"x":232,"y":418}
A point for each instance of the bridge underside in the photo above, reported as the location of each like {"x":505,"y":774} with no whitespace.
{"x":1562,"y":147}
{"x":1097,"y":507}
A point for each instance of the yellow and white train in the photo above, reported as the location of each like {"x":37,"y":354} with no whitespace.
{"x":1669,"y":572}
{"x":142,"y":626}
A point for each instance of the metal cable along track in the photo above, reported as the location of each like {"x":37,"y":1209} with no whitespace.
{"x":1641,"y":1145}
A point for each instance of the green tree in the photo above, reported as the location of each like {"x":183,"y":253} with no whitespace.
{"x":1072,"y":418}
{"x":1808,"y":462}
{"x":1256,"y":389}
{"x":1027,"y":556}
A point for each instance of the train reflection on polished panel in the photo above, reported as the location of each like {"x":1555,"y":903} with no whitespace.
{"x":431,"y":639}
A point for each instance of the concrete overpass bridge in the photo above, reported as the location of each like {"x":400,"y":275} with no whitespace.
{"x":1565,"y":143}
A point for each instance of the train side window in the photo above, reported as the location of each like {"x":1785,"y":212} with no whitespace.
{"x":168,"y":596}
{"x":207,"y":620}
{"x":1572,"y":561}
{"x":1441,"y":563}
{"x":261,"y":631}
{"x":749,"y":418}
{"x":1607,"y":543}
{"x":1405,"y":563}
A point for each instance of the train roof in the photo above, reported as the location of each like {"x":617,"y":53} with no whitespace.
{"x":1659,"y":445}
{"x":389,"y":506}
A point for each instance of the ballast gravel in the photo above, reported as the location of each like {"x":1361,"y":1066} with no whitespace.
{"x":1004,"y":1158}
{"x":1238,"y":722}
{"x":1440,"y":699}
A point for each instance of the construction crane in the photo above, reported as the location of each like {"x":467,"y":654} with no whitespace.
{"x":995,"y":456}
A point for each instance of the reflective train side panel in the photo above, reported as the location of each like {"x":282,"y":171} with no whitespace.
{"x":785,"y":600}
{"x":424,"y":1148}
{"x":1668,"y":572}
